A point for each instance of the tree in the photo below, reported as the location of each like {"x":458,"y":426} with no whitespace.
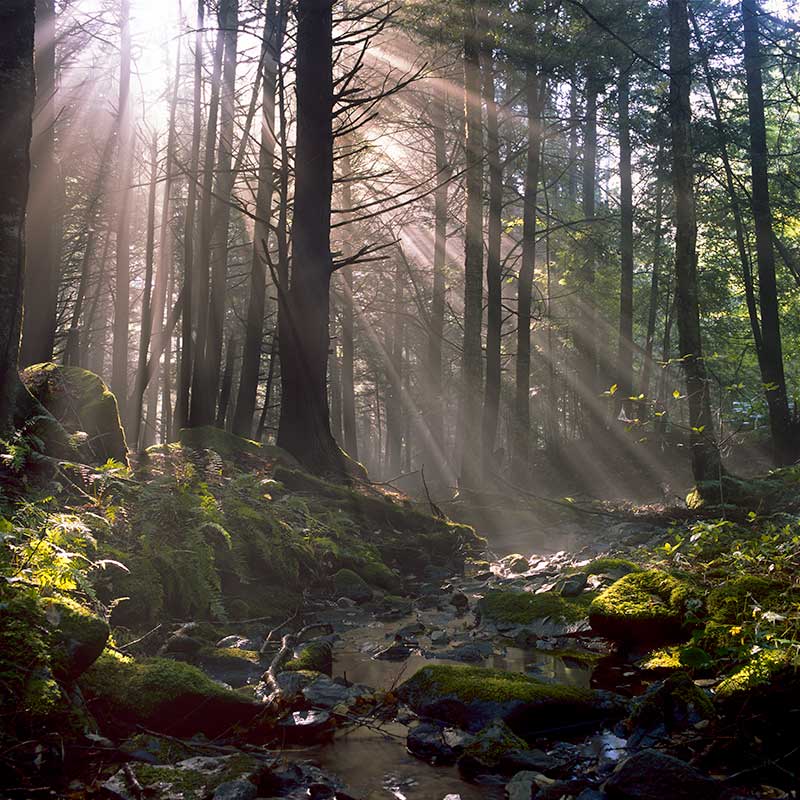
{"x":706,"y":463}
{"x":304,"y":428}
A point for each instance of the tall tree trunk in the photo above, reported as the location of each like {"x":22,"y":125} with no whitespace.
{"x":335,"y":385}
{"x":394,"y":383}
{"x":226,"y":385}
{"x":771,"y":361}
{"x":655,"y":278}
{"x":189,"y":266}
{"x":202,"y":398}
{"x":472,"y":367}
{"x":349,"y":432}
{"x":122,"y":275}
{"x":273,"y":356}
{"x":17,"y":87}
{"x":625,"y":342}
{"x":706,"y":464}
{"x":572,"y":183}
{"x":43,"y":229}
{"x":520,"y":441}
{"x":147,"y":307}
{"x":304,"y":428}
{"x":494,"y":277}
{"x":254,"y":331}
{"x":434,"y":449}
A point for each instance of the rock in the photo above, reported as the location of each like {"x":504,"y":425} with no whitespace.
{"x":305,"y":727}
{"x":473,"y":697}
{"x":411,"y":630}
{"x":395,"y":652}
{"x":459,"y":600}
{"x":183,"y":644}
{"x":346,"y":602}
{"x":83,"y":404}
{"x":291,"y":684}
{"x":484,"y":754}
{"x":470,"y":653}
{"x":573,"y":585}
{"x":315,"y":656}
{"x":528,"y":761}
{"x":79,"y":636}
{"x":591,"y":794}
{"x":515,"y":563}
{"x":526,"y":785}
{"x":642,"y":607}
{"x":435,"y":743}
{"x":666,"y":708}
{"x":235,"y":790}
{"x":323,"y":692}
{"x":650,"y":775}
{"x":541,"y":614}
{"x":348,"y":584}
{"x":164,"y":696}
{"x":239,"y":643}
{"x":440,"y":637}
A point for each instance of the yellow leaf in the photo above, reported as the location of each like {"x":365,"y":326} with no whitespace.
{"x":676,"y":394}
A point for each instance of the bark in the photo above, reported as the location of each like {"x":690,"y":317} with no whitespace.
{"x":43,"y":232}
{"x":122,"y":274}
{"x":625,"y":341}
{"x":655,"y":278}
{"x":706,"y":463}
{"x":572,"y":182}
{"x":394,"y":383}
{"x":189,"y":266}
{"x":771,"y":353}
{"x":254,"y":330}
{"x":335,"y":387}
{"x":226,"y":385}
{"x":520,"y":442}
{"x":494,"y":277}
{"x":304,"y":428}
{"x":472,"y":368}
{"x":17,"y":87}
{"x":273,"y":355}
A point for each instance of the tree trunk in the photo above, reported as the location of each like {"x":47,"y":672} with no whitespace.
{"x":494,"y":277}
{"x":706,"y":464}
{"x":122,"y":279}
{"x":254,"y":336}
{"x":655,"y":278}
{"x":394,"y":382}
{"x":520,"y":441}
{"x":304,"y":428}
{"x":226,"y":384}
{"x":771,"y":360}
{"x":43,"y":229}
{"x":17,"y":88}
{"x":472,"y":368}
{"x":273,"y":355}
{"x":625,"y":342}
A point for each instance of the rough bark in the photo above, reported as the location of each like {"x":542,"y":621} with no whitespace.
{"x":706,"y":463}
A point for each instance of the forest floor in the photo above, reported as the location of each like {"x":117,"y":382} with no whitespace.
{"x":284,"y":637}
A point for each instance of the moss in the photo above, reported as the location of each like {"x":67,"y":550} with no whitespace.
{"x":378,"y":574}
{"x":490,"y":746}
{"x":662,"y":659}
{"x":642,"y":606}
{"x":315,"y":657}
{"x":523,"y":608}
{"x":584,"y":657}
{"x":732,"y":601}
{"x":230,"y":446}
{"x":760,"y":671}
{"x":489,"y":685}
{"x":677,"y":700}
{"x":81,"y":402}
{"x":79,"y":635}
{"x":601,"y":566}
{"x":347,"y":583}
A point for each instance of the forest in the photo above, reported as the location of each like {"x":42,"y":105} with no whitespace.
{"x":398,"y":399}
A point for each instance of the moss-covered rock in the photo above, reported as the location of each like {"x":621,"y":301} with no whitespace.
{"x":473,"y":697}
{"x":489,"y":747}
{"x":315,"y":656}
{"x":608,"y":565}
{"x":78,"y":636}
{"x":83,"y":404}
{"x":524,"y":608}
{"x":232,"y":447}
{"x":645,"y":606}
{"x":163,"y":695}
{"x":759,"y":673}
{"x":735,"y":598}
{"x":347,"y":583}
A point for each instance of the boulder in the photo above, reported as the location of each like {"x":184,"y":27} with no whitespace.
{"x":642,"y":607}
{"x":349,"y":584}
{"x":79,"y":636}
{"x":437,"y":743}
{"x":542,"y":614}
{"x":473,"y":697}
{"x":573,"y":585}
{"x":650,"y":775}
{"x":162,"y":695}
{"x":485,"y":753}
{"x":316,"y":656}
{"x":84,"y":406}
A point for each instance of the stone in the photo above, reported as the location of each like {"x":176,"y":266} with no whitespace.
{"x":526,"y":785}
{"x":459,"y":600}
{"x":304,"y":727}
{"x":440,"y":637}
{"x":346,"y":602}
{"x":82,"y":404}
{"x":529,"y":761}
{"x":239,"y":643}
{"x":516,"y":563}
{"x":349,"y":584}
{"x":395,"y":652}
{"x":574,"y":585}
{"x":484,"y":754}
{"x":650,"y":775}
{"x":411,"y":630}
{"x":435,"y":743}
{"x":314,"y":656}
{"x":236,"y":790}
{"x":79,"y":636}
{"x":323,"y":692}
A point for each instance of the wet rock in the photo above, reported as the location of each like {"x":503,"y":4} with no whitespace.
{"x":440,"y":637}
{"x":323,"y":692}
{"x":435,"y":743}
{"x":526,"y":785}
{"x":459,"y":601}
{"x":316,"y":656}
{"x":591,"y":794}
{"x":473,"y":697}
{"x":239,"y":643}
{"x":395,"y":652}
{"x":650,"y":775}
{"x":236,"y":790}
{"x":563,"y":789}
{"x":573,"y":585}
{"x":666,"y":708}
{"x":484,"y":754}
{"x":304,"y":727}
{"x":515,"y":563}
{"x":351,"y":585}
{"x":471,"y":653}
{"x":411,"y":630}
{"x":528,"y":761}
{"x":291,"y":684}
{"x":346,"y":602}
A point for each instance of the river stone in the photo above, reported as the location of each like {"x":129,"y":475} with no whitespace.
{"x":239,"y":643}
{"x":349,"y":584}
{"x":436,"y":743}
{"x":526,"y":785}
{"x":411,"y":630}
{"x":394,"y":652}
{"x":236,"y":790}
{"x":485,"y":752}
{"x":650,"y":775}
{"x":574,"y":585}
{"x":323,"y":692}
{"x":515,"y":563}
{"x":303,"y":727}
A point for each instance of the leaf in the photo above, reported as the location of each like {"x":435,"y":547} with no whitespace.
{"x":109,"y":562}
{"x":676,"y":394}
{"x":613,"y":389}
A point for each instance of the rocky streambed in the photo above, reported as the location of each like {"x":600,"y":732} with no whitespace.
{"x":489,"y":684}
